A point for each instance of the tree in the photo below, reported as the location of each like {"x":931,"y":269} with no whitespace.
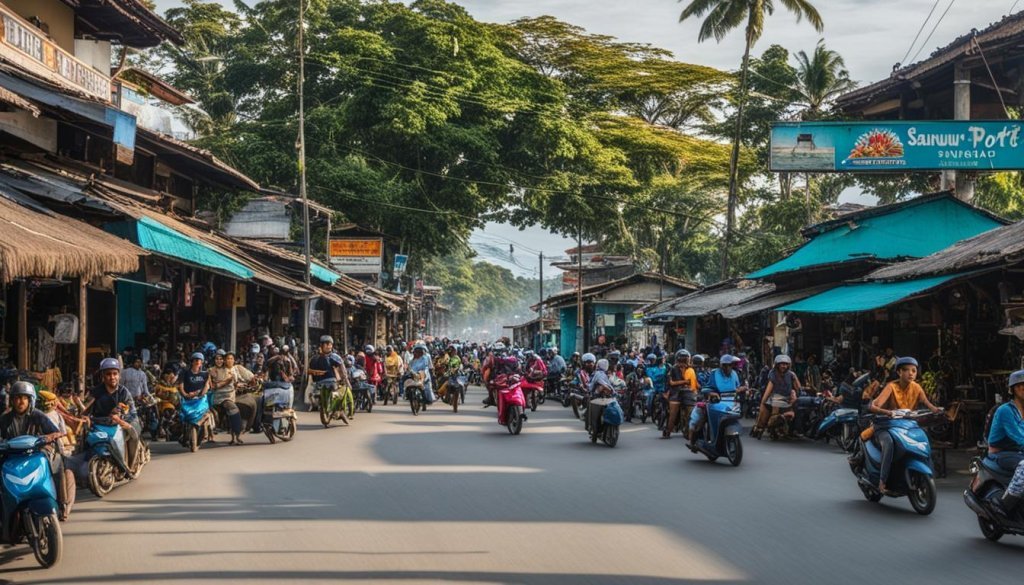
{"x":820,"y":78}
{"x":724,"y":16}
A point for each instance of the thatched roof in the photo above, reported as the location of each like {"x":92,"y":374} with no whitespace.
{"x":55,"y":246}
{"x":1004,"y":245}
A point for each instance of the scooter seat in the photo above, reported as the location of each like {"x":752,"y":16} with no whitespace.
{"x":845,"y":412}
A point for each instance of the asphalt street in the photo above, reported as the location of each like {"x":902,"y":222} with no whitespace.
{"x":446,"y":497}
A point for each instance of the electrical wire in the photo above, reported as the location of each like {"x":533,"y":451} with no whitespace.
{"x":1015,"y":3}
{"x":919,"y":31}
{"x":937,"y":23}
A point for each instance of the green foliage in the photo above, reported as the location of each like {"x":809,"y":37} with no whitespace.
{"x":1002,"y":194}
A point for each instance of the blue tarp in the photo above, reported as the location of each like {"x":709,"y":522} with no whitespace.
{"x":320,"y":273}
{"x":866,"y":296}
{"x":157,"y":237}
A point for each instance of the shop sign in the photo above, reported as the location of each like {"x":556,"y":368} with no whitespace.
{"x":357,"y":256}
{"x":27,"y":46}
{"x":401,"y":261}
{"x":899,"y":145}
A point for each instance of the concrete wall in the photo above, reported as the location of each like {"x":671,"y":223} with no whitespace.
{"x":59,"y":16}
{"x":94,"y":53}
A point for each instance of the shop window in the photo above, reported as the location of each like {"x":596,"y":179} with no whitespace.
{"x":140,"y":172}
{"x":77,"y":144}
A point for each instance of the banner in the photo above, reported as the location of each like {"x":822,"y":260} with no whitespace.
{"x":401,"y":261}
{"x":897,"y":145}
{"x":357,"y":256}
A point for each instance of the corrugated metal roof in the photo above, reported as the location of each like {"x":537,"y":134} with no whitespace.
{"x":771,"y":301}
{"x":1004,"y":245}
{"x":709,"y":300}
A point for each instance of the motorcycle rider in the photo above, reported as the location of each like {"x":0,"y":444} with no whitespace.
{"x":681,"y":392}
{"x":22,"y":419}
{"x":1006,"y":444}
{"x":600,"y":387}
{"x":327,"y":369}
{"x":393,"y":365}
{"x":782,"y":384}
{"x":451,"y":363}
{"x":536,"y":371}
{"x":723,"y":379}
{"x":588,"y":363}
{"x":901,"y":394}
{"x":374,"y":368}
{"x":421,"y":365}
{"x":106,"y":400}
{"x":703,"y":373}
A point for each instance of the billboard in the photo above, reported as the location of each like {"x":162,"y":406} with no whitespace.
{"x":898,"y":145}
{"x":357,"y":256}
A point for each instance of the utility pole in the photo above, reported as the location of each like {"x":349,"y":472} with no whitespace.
{"x":579,"y":289}
{"x":540,"y":306}
{"x":302,"y":177}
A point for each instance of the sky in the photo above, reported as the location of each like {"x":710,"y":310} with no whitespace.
{"x":871,"y":35}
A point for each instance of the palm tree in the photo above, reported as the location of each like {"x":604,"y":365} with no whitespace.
{"x":820,"y":78}
{"x":724,"y":16}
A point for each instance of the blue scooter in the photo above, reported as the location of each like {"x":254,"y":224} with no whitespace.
{"x":30,"y":499}
{"x":841,"y":425}
{"x":720,"y":433}
{"x":107,"y":453}
{"x":911,"y":474}
{"x":196,"y":422}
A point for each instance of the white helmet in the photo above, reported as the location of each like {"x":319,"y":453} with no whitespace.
{"x":602,"y":365}
{"x":369,"y":349}
{"x":588,"y":357}
{"x":782,"y":359}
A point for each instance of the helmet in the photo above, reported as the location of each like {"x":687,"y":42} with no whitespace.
{"x":614,"y":355}
{"x":420,"y":346}
{"x":528,"y":354}
{"x":350,"y":360}
{"x":499,"y":346}
{"x":1016,"y":378}
{"x":22,"y":388}
{"x":589,"y":358}
{"x":782,"y":359}
{"x":369,"y":349}
{"x":575,"y":354}
{"x":698,"y":359}
{"x":652,"y":358}
{"x":198,"y":356}
{"x":209,"y":346}
{"x":727,"y":360}
{"x":682,"y":353}
{"x":602,"y":365}
{"x":108,"y":364}
{"x":906,"y":361}
{"x":326,"y":339}
{"x":254,"y":348}
{"x":221,"y":353}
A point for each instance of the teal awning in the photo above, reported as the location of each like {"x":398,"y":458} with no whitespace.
{"x":161,"y":239}
{"x":320,"y":273}
{"x":913,"y":231}
{"x":866,"y":296}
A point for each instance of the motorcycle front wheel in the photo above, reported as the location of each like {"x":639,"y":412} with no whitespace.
{"x":49,"y":542}
{"x":848,"y":438}
{"x":515,"y":420}
{"x":734,"y":450}
{"x":101,"y":476}
{"x":414,"y":404}
{"x":921,"y":493}
{"x":576,"y":407}
{"x":611,"y":436}
{"x":325,"y":408}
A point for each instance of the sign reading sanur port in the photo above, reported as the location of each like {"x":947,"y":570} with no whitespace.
{"x":899,"y":145}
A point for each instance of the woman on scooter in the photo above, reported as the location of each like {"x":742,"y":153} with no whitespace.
{"x":783,"y":385}
{"x":600,"y":387}
{"x":1006,"y":443}
{"x":901,"y":394}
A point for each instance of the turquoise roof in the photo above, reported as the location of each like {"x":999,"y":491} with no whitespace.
{"x":321,"y":273}
{"x":157,"y":237}
{"x":911,"y":230}
{"x":865,"y":296}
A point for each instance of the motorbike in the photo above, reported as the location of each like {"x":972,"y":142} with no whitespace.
{"x":720,"y":434}
{"x":30,"y":499}
{"x":456,"y":393}
{"x":841,"y":426}
{"x":331,"y":404}
{"x":807,"y":415}
{"x":106,"y":451}
{"x":603,"y":420}
{"x":149,"y":414}
{"x":534,"y":391}
{"x":197,"y":422}
{"x":389,"y":390}
{"x":511,"y":402}
{"x":988,"y":483}
{"x":911,"y":474}
{"x":636,"y":403}
{"x":277,"y":418}
{"x":414,"y":391}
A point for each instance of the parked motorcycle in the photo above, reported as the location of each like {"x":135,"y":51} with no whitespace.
{"x":106,"y":451}
{"x":30,"y":499}
{"x":720,"y":434}
{"x":511,"y":402}
{"x":841,"y":426}
{"x":911,"y":474}
{"x":197,"y":422}
{"x":603,"y":420}
{"x":988,"y":485}
{"x":331,"y":404}
{"x":277,"y":417}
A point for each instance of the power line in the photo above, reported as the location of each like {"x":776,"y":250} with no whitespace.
{"x":1015,"y":3}
{"x":919,"y":31}
{"x":937,"y":23}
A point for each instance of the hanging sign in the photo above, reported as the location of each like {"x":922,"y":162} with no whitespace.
{"x":401,"y":261}
{"x":897,"y":145}
{"x":357,"y":256}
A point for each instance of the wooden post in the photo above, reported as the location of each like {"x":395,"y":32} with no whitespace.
{"x":962,"y":111}
{"x":83,"y":338}
{"x":22,"y":325}
{"x":344,"y":328}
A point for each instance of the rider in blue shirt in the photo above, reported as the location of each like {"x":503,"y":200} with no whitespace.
{"x":1006,"y":442}
{"x":722,"y":379}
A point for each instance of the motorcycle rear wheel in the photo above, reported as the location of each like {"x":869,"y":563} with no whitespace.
{"x":734,"y":450}
{"x":533,"y":401}
{"x":101,"y":476}
{"x":611,"y":436}
{"x":921,"y":493}
{"x":49,"y":544}
{"x":989,"y":530}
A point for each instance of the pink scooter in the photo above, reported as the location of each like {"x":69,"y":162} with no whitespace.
{"x":511,"y":402}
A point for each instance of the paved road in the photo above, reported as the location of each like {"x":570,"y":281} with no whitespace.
{"x":453,"y":497}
